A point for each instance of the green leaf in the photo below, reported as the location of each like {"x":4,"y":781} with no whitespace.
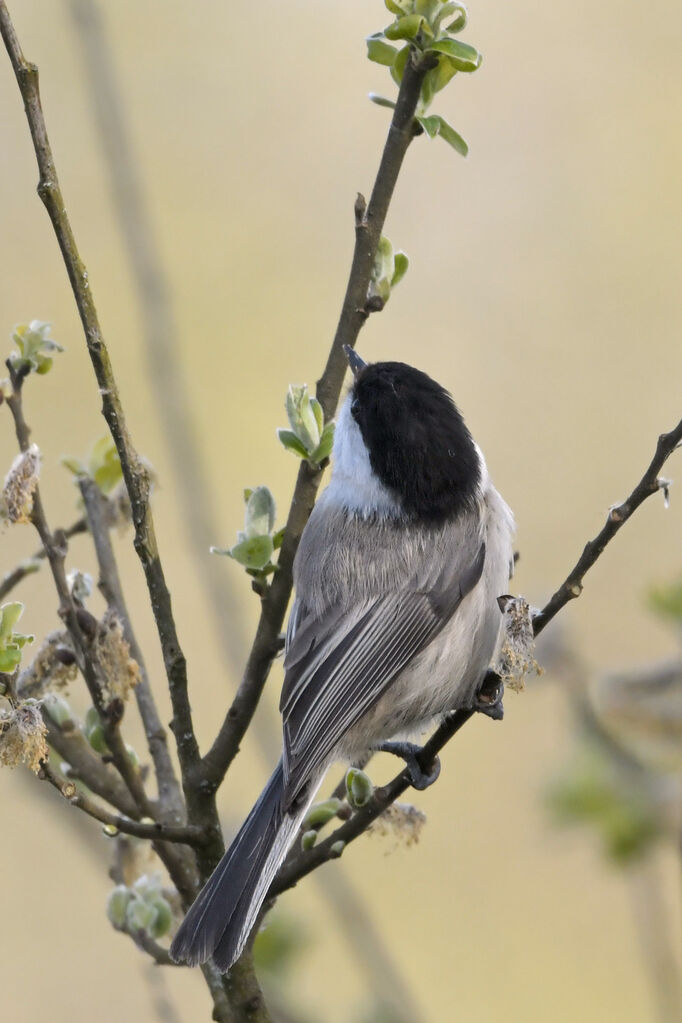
{"x":397,"y":8}
{"x":463,"y":56}
{"x":384,"y":263}
{"x":401,"y":264}
{"x":302,"y":417}
{"x":446,"y":11}
{"x":453,"y":138}
{"x":380,"y":52}
{"x":318,"y":413}
{"x":10,"y":614}
{"x":278,"y":537}
{"x":407,"y":27}
{"x":443,"y":73}
{"x":9,"y":658}
{"x":259,"y":517}
{"x":291,"y":442}
{"x":324,"y":449}
{"x":254,"y":552}
{"x":381,"y":101}
{"x":398,"y":69}
{"x":431,"y":125}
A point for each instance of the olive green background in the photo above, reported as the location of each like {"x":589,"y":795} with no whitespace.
{"x":544,"y":290}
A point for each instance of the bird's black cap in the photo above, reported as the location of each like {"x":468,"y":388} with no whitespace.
{"x":418,"y":443}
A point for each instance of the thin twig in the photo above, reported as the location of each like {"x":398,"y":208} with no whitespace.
{"x":368,"y":229}
{"x":188,"y":835}
{"x":55,"y":549}
{"x":74,"y":749}
{"x":302,"y":863}
{"x":618,"y":515}
{"x":32,"y":564}
{"x":170,"y":797}
{"x":134,"y":472}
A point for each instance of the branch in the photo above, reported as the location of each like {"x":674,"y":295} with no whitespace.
{"x":134,"y":472}
{"x":368,"y":228}
{"x":140,"y":829}
{"x":55,"y":550}
{"x":73,"y":747}
{"x":31,"y":565}
{"x":299,"y":864}
{"x":170,"y":796}
{"x":618,"y":515}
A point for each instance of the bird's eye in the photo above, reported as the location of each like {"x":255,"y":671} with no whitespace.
{"x":355,"y":409}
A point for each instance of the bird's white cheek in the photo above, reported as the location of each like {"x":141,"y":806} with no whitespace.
{"x":353,"y":484}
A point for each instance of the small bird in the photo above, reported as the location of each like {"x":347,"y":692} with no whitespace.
{"x":395,"y":622}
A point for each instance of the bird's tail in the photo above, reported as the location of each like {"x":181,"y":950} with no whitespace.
{"x":220,"y":920}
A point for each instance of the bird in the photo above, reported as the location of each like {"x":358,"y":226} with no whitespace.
{"x":395,"y":622}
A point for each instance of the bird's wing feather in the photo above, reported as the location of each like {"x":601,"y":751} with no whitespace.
{"x":338,"y":666}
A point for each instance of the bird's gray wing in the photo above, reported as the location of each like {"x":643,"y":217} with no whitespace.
{"x":337,"y":667}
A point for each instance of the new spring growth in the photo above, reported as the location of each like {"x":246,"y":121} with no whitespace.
{"x":320,"y":814}
{"x":359,"y":787}
{"x":389,"y":269}
{"x":256,"y":543}
{"x":36,"y":348}
{"x":11,"y":642}
{"x":19,"y":486}
{"x":309,"y":437}
{"x":102,"y":464}
{"x":425,"y":27}
{"x":141,"y":907}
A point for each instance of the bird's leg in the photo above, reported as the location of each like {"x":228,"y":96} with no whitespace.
{"x":409,"y":752}
{"x":488,"y":698}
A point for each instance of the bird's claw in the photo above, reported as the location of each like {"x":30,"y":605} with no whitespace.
{"x":488,"y":699}
{"x":409,"y":752}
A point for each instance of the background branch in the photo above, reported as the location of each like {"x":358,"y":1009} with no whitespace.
{"x":134,"y":471}
{"x":171,"y":806}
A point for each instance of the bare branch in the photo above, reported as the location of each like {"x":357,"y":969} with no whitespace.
{"x":72,"y":746}
{"x":368,"y":229}
{"x":134,"y":472}
{"x":170,"y":796}
{"x":55,"y":549}
{"x":140,"y":829}
{"x":32,"y":564}
{"x":618,"y":515}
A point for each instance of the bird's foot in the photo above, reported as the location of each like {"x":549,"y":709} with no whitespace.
{"x":488,"y":699}
{"x":409,"y":752}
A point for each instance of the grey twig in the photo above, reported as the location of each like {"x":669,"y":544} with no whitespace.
{"x":649,"y":484}
{"x":140,"y":829}
{"x":55,"y":550}
{"x":170,"y":797}
{"x":32,"y":564}
{"x":302,"y":863}
{"x":72,"y":746}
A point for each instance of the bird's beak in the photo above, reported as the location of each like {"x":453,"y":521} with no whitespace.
{"x":354,"y":361}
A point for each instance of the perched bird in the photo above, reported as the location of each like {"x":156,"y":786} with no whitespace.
{"x":395,"y":621}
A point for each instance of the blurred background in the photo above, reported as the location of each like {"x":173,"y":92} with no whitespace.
{"x":543,"y":289}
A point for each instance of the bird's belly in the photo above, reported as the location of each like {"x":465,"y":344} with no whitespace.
{"x":443,"y":677}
